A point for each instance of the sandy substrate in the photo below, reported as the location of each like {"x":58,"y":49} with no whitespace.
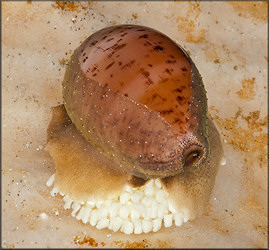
{"x":227,"y":42}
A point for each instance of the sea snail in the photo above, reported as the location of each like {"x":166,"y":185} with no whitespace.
{"x":135,"y":112}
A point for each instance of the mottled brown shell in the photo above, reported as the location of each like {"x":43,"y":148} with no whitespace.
{"x":136,"y":96}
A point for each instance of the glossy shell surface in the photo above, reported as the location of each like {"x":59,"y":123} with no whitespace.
{"x":138,"y":98}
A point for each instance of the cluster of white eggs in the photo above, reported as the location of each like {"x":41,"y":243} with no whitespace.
{"x":135,"y":210}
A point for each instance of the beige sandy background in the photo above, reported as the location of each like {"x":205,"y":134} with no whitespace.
{"x":228,"y":43}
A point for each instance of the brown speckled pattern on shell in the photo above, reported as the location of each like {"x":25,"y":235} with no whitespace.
{"x":144,"y":65}
{"x":132,"y":93}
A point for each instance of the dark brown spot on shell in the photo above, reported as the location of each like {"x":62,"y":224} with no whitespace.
{"x":95,"y":67}
{"x":104,"y":38}
{"x":111,"y":54}
{"x":169,"y":71}
{"x":157,"y":95}
{"x":177,"y":120}
{"x":127,"y":65}
{"x":184,"y":69}
{"x":180,"y":99}
{"x":145,"y":73}
{"x":169,"y":111}
{"x":170,"y":61}
{"x":144,"y":36}
{"x":148,"y":43}
{"x":158,"y":48}
{"x":117,"y":47}
{"x":93,"y":43}
{"x":164,"y":79}
{"x":177,"y":90}
{"x":149,"y":82}
{"x":110,"y":39}
{"x":109,"y":65}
